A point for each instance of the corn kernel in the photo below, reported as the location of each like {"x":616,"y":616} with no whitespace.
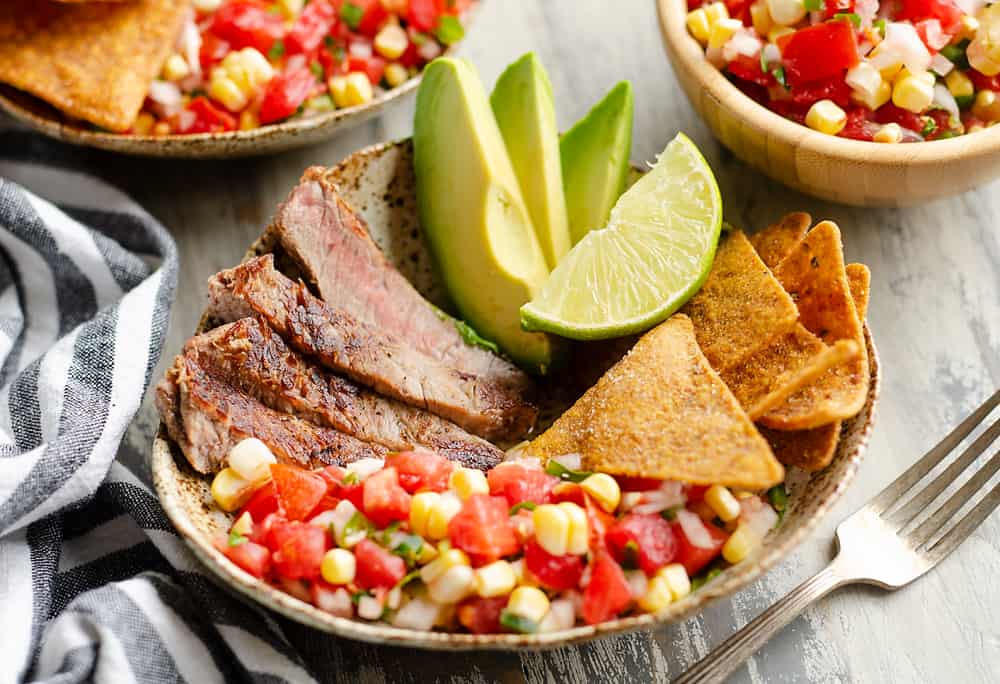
{"x":890,"y":133}
{"x":223,"y":90}
{"x":578,"y":538}
{"x":529,"y":602}
{"x":777,"y":32}
{"x":143,"y":123}
{"x":258,"y":69}
{"x":243,"y":525}
{"x":722,"y":31}
{"x":604,"y":489}
{"x":206,"y":6}
{"x":290,"y":8}
{"x":396,"y":74}
{"x":826,"y":117}
{"x":760,"y":16}
{"x":249,"y":120}
{"x":444,"y":510}
{"x":986,"y":106}
{"x":925,"y":76}
{"x":495,"y":579}
{"x":677,"y":579}
{"x":175,"y":68}
{"x":391,"y":42}
{"x":912,"y":93}
{"x":717,"y":11}
{"x":959,"y":84}
{"x":453,"y":585}
{"x":786,"y":12}
{"x":552,"y":526}
{"x":337,"y":85}
{"x":394,"y":598}
{"x":722,"y":502}
{"x":251,"y":459}
{"x":875,"y":101}
{"x":740,"y":544}
{"x":522,"y":576}
{"x":967,"y":28}
{"x":421,"y":506}
{"x":359,"y":89}
{"x":887,"y":63}
{"x":338,"y":566}
{"x":743,"y":494}
{"x":231,"y":491}
{"x":658,"y":595}
{"x":161,"y":128}
{"x":427,"y":554}
{"x":468,"y":481}
{"x":447,"y":560}
{"x":698,"y":24}
{"x":980,"y":60}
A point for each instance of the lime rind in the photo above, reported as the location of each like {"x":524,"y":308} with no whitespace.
{"x":653,"y":255}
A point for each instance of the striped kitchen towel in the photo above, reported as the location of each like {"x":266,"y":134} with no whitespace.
{"x":94,"y":583}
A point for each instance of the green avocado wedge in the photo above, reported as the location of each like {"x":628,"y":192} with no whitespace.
{"x":523,"y":105}
{"x":472,"y":212}
{"x":595,"y":161}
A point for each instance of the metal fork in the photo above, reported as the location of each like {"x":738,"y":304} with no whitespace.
{"x":885,"y":543}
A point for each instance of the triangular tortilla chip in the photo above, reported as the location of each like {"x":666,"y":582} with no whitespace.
{"x":93,"y":60}
{"x":776,"y":241}
{"x":814,"y":449}
{"x":741,"y":307}
{"x":814,"y":274}
{"x":663,"y":412}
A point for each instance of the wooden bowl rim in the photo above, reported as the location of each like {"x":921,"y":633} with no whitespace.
{"x":166,"y":473}
{"x":685,"y":52}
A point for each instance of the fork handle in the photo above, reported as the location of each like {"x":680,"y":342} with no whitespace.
{"x":729,"y":655}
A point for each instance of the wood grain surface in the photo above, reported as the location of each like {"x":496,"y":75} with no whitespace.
{"x":935,"y":311}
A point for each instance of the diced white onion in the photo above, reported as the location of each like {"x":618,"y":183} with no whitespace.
{"x":341,"y":515}
{"x":561,"y":616}
{"x":772,"y":55}
{"x":365,"y":467}
{"x":429,"y":50}
{"x":337,"y":602}
{"x":864,"y":78}
{"x":419,"y":614}
{"x":904,"y":41}
{"x":360,"y":49}
{"x":936,"y":37}
{"x":714,"y":57}
{"x":295,"y":62}
{"x":369,"y":608}
{"x":944,"y":99}
{"x":190,"y":46}
{"x":324,"y":519}
{"x":866,"y":10}
{"x":757,"y":515}
{"x":744,"y":43}
{"x":185,"y":119}
{"x":570,"y":461}
{"x":694,"y":529}
{"x":941,"y":65}
{"x":166,"y":97}
{"x":971,"y":7}
{"x":669,"y":495}
{"x":637,"y":583}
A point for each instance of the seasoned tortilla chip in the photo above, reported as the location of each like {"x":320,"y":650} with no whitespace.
{"x":814,"y":449}
{"x":815,"y":276}
{"x":94,"y":61}
{"x":776,"y":241}
{"x":663,"y":412}
{"x":741,"y":307}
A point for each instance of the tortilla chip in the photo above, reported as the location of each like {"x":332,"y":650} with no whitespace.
{"x":776,"y":241}
{"x":766,"y":379}
{"x":94,"y":61}
{"x":663,"y":412}
{"x":859,"y":280}
{"x":815,"y":276}
{"x":741,"y":307}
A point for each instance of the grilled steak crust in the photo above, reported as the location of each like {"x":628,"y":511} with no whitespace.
{"x":251,"y":357}
{"x":332,"y":247}
{"x":365,"y":353}
{"x":207,"y":418}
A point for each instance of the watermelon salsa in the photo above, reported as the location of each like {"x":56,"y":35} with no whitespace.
{"x":893,"y":72}
{"x":241,"y":64}
{"x":420,"y":542}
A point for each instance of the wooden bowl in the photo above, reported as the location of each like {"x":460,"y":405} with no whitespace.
{"x":264,"y":140}
{"x":847,"y":171}
{"x":379,"y":183}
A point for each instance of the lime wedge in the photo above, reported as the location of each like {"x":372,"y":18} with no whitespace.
{"x":654,"y":254}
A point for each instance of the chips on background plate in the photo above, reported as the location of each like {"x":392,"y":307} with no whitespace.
{"x":93,"y":60}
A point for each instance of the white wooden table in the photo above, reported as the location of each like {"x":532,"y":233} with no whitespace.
{"x":935,"y":313}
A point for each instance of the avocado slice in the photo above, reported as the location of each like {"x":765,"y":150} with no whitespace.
{"x":595,"y":161}
{"x":524,"y":109}
{"x":472,"y":212}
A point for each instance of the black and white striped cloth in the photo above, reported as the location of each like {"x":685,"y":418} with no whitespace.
{"x":94,"y":583}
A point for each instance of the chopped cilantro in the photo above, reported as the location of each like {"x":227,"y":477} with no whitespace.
{"x":358,"y":595}
{"x":358,"y":523}
{"x":879,"y":25}
{"x":235,"y":538}
{"x":956,"y":54}
{"x":409,"y":577}
{"x":670,"y":513}
{"x":964,"y":101}
{"x":277,"y":50}
{"x":320,"y":103}
{"x":778,"y":497}
{"x":554,"y":467}
{"x":409,"y":548}
{"x":351,"y":15}
{"x":929,"y":126}
{"x":317,"y":69}
{"x":350,"y":479}
{"x":630,"y":555}
{"x":518,"y":624}
{"x":703,"y":578}
{"x":763,"y":61}
{"x":329,"y":42}
{"x":849,"y":16}
{"x":813,"y":5}
{"x":449,"y":30}
{"x":779,"y":76}
{"x":524,"y":505}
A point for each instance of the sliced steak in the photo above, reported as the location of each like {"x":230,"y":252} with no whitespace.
{"x":332,"y":247}
{"x":251,"y":357}
{"x":207,"y":418}
{"x":366,"y":353}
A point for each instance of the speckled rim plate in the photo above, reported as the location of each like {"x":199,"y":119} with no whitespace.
{"x":378,"y":182}
{"x":264,"y":140}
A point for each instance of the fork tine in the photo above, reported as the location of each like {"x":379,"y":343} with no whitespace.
{"x":966,"y":526}
{"x":902,"y":484}
{"x":922,"y":534}
{"x":922,"y":499}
